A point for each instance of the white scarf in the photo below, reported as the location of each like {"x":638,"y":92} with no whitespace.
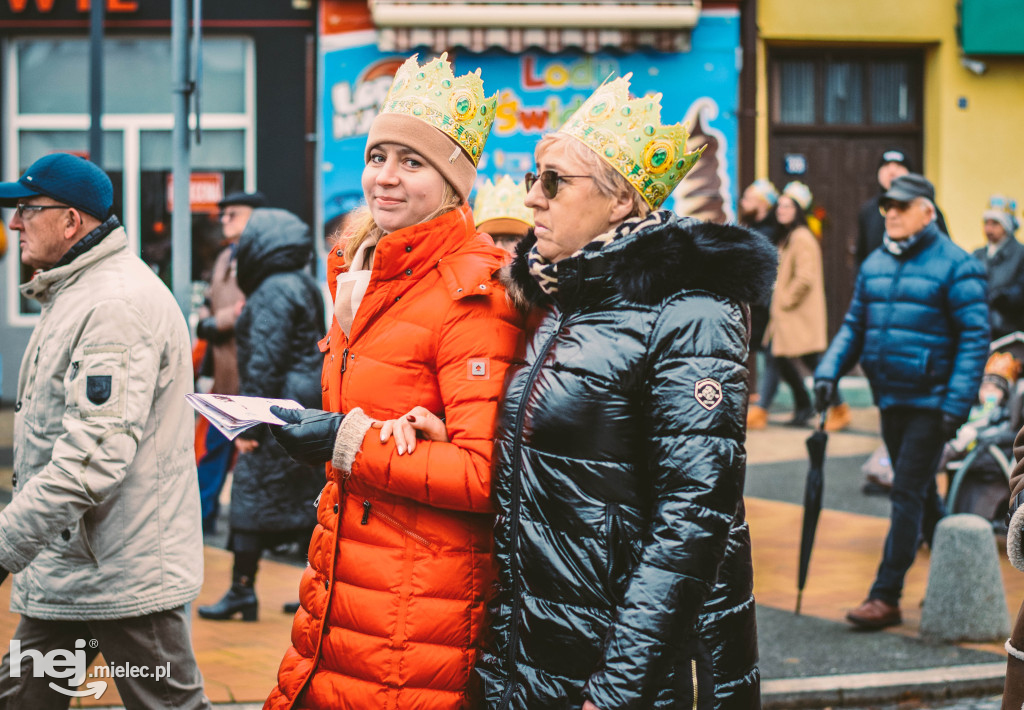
{"x":352,"y":285}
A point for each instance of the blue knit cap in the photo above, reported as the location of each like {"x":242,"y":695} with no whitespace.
{"x":66,"y":178}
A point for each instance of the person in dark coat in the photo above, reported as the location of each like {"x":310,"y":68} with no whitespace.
{"x":1003,"y":258}
{"x":918,"y":324}
{"x":215,"y":454}
{"x":625,"y":578}
{"x":277,"y":332}
{"x":892,"y":164}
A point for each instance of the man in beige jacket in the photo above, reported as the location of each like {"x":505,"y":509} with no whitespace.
{"x":103,"y":531}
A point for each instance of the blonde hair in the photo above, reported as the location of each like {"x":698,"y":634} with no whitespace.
{"x":607,"y":180}
{"x":365,"y":228}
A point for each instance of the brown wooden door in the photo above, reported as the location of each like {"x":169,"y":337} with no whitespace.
{"x":833,"y":142}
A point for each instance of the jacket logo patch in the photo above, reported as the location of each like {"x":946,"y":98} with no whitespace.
{"x":708,"y":393}
{"x":479,"y":369}
{"x":97,"y":388}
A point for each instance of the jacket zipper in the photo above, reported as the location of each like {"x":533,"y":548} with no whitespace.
{"x":888,"y":311}
{"x":514,"y":518}
{"x":693,"y":672}
{"x":330,"y":581}
{"x":612,"y":524}
{"x":388,"y":520}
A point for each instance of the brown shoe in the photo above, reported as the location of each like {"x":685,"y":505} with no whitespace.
{"x":757,"y":417}
{"x":874,"y":614}
{"x":839,"y":417}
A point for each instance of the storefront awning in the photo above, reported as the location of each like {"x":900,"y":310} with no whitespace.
{"x":482,"y":24}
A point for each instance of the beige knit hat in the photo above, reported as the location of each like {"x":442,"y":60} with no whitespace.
{"x":444,"y":155}
{"x":444,"y":118}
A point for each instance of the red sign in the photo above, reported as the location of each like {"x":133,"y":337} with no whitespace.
{"x":344,"y":16}
{"x":205,"y":190}
{"x":82,"y":5}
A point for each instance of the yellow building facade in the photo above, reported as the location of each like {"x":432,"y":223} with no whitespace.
{"x":971,"y":124}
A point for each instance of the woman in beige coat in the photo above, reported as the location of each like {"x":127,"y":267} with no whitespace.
{"x":797,"y":327}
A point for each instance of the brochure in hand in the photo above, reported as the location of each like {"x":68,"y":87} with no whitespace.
{"x":233,"y":414}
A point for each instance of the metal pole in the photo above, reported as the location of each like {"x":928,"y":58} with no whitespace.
{"x":181,"y":218}
{"x":96,"y":82}
{"x":197,"y":64}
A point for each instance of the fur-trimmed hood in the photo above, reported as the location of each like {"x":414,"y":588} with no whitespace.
{"x":653,"y":263}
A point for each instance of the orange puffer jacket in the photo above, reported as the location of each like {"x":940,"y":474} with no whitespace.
{"x":393,"y":599}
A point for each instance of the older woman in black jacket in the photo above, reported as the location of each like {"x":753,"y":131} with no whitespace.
{"x":625,"y":575}
{"x":272,"y":495}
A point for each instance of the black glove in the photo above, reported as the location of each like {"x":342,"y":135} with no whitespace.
{"x":309,"y":435}
{"x":206,"y":329}
{"x":949,"y":427}
{"x":824,"y":392}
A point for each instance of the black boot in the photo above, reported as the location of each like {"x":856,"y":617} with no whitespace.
{"x":801,"y":416}
{"x":241,"y":597}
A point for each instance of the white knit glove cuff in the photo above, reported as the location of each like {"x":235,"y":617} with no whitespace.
{"x":350,"y":438}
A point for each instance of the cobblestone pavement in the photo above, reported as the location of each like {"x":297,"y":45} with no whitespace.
{"x":992,"y":703}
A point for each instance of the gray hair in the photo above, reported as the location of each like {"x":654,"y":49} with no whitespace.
{"x":607,"y":180}
{"x":929,"y":203}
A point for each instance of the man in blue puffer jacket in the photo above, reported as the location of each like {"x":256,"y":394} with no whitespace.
{"x":918,"y":324}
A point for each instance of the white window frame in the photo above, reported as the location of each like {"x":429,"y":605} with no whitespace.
{"x":130,"y":125}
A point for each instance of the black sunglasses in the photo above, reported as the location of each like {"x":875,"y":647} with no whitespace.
{"x":887,"y":205}
{"x":549,"y":181}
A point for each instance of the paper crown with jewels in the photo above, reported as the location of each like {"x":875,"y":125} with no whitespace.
{"x":503,"y":199}
{"x":456,"y":107}
{"x":628,"y":135}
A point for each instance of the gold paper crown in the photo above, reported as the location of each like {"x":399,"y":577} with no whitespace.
{"x":628,"y":135}
{"x":502,"y":200}
{"x":456,"y":107}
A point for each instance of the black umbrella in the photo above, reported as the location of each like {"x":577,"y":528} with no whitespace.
{"x":812,"y":502}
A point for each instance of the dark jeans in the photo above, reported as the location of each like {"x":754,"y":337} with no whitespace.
{"x":769,"y":379}
{"x":914,"y":440}
{"x":791,"y":375}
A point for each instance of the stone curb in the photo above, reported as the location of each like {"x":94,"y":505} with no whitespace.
{"x":867,"y":688}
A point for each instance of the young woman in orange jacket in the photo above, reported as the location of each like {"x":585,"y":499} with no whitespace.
{"x":393,"y":600}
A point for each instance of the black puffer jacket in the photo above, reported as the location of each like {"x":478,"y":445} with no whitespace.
{"x":625,"y":573}
{"x":277,"y":334}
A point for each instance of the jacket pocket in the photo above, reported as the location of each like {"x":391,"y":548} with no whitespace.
{"x":79,"y":545}
{"x":909,"y":366}
{"x":102,"y":381}
{"x":616,"y":552}
{"x":369,"y":510}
